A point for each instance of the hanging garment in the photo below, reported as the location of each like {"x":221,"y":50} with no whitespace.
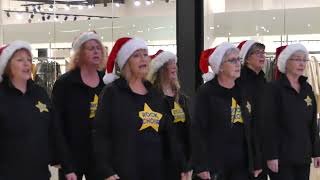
{"x":46,"y":74}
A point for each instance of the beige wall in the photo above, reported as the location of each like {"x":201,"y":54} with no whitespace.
{"x":1,"y":25}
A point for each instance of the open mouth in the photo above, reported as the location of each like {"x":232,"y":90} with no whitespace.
{"x":26,"y":71}
{"x":143,"y":66}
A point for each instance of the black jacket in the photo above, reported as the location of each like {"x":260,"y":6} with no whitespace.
{"x":291,"y":131}
{"x":181,"y":121}
{"x":219,"y":140}
{"x":253,"y":85}
{"x":125,"y":144}
{"x":75,"y":105}
{"x":26,"y":127}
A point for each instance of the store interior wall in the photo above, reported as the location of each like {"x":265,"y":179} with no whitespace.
{"x":154,"y":23}
{"x":150,"y":23}
{"x":273,"y":22}
{"x":1,"y":25}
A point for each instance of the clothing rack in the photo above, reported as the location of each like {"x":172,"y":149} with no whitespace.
{"x":46,"y":72}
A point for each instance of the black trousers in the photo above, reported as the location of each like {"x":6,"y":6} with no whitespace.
{"x":234,"y":174}
{"x":35,"y":175}
{"x":292,"y":172}
{"x":263,"y":175}
{"x":229,"y":174}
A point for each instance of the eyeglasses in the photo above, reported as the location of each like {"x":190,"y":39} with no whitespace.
{"x":234,"y":60}
{"x":299,"y":60}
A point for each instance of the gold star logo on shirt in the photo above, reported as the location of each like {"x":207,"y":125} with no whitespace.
{"x":94,"y":106}
{"x":248,"y":106}
{"x":236,"y":116}
{"x":308,"y":100}
{"x":42,"y":107}
{"x":178,"y":113}
{"x":149,"y":118}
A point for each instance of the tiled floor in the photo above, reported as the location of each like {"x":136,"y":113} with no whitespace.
{"x":315,"y":174}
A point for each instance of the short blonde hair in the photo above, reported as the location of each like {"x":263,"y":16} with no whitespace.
{"x":75,"y":57}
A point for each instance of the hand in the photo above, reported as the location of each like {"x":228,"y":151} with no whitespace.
{"x":186,"y":175}
{"x":273,"y":165}
{"x":71,"y":176}
{"x":204,"y":175}
{"x":114,"y":177}
{"x":316,"y":162}
{"x":256,"y":172}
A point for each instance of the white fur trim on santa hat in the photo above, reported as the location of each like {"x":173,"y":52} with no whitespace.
{"x":216,"y":57}
{"x":160,"y":60}
{"x":84,"y":37}
{"x":208,"y":76}
{"x":9,"y":51}
{"x":128,"y":49}
{"x":109,"y":78}
{"x":287,"y":53}
{"x":245,"y":48}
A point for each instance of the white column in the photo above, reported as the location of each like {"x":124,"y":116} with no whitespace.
{"x":1,"y":23}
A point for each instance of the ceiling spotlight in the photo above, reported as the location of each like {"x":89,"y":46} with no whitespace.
{"x":27,"y":9}
{"x":148,"y":2}
{"x":75,"y":18}
{"x":8,"y":14}
{"x":117,"y":4}
{"x":39,"y":8}
{"x":66,"y":18}
{"x":152,"y":2}
{"x":90,"y":6}
{"x":137,"y":3}
{"x":32,"y":16}
{"x":89,"y":18}
{"x":48,"y":17}
{"x":43,"y":18}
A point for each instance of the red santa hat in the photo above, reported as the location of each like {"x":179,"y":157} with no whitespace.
{"x":6,"y":52}
{"x":120,"y":53}
{"x":213,"y":57}
{"x":159,"y":59}
{"x":244,"y":47}
{"x":283,"y":53}
{"x":82,"y":38}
